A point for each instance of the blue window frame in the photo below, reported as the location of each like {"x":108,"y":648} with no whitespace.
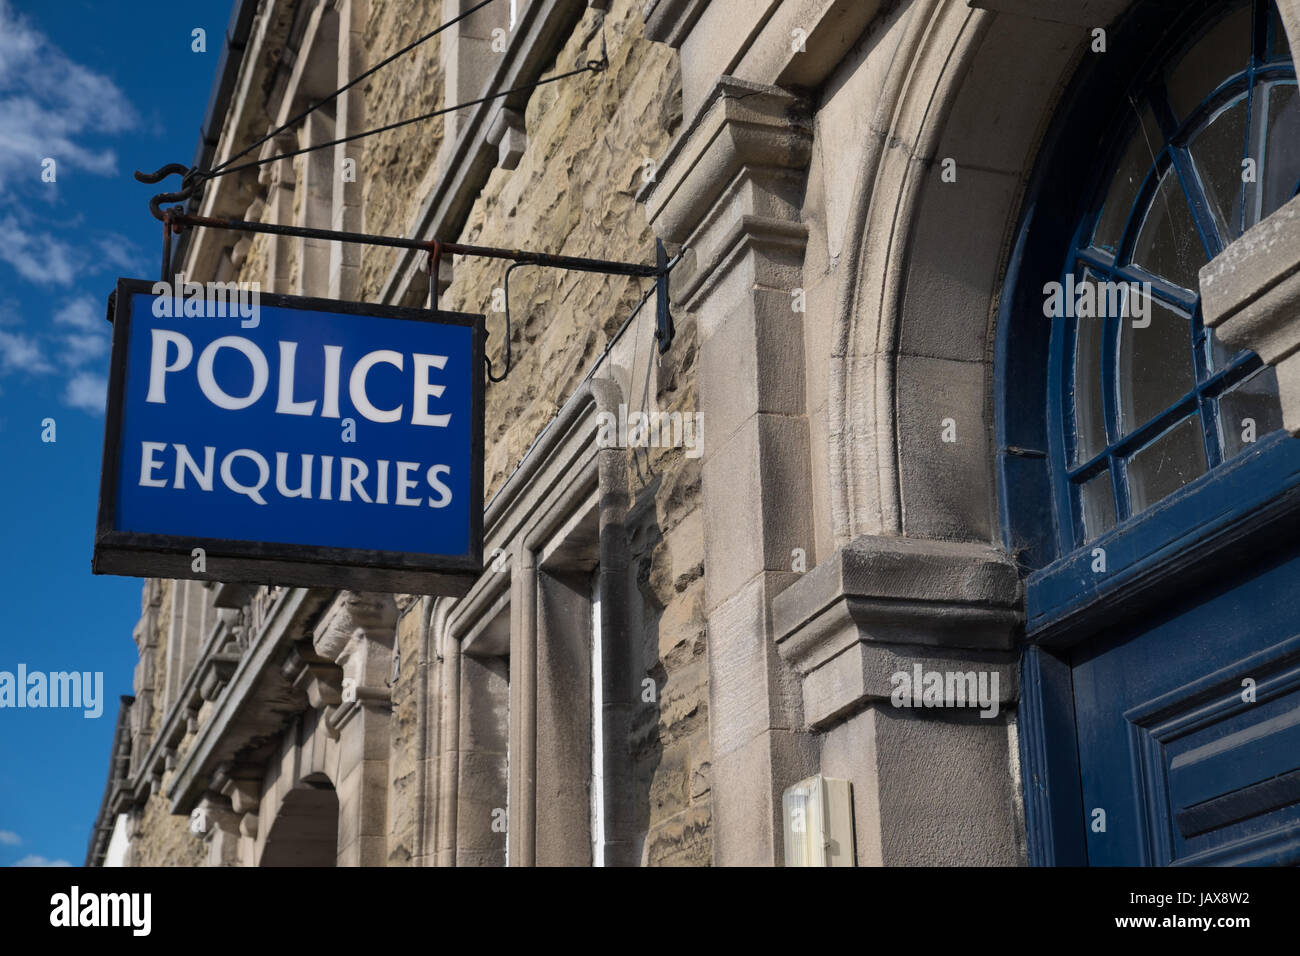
{"x":1077,"y":443}
{"x":1206,"y":148}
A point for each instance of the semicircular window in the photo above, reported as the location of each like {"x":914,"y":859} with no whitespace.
{"x":1151,"y":399}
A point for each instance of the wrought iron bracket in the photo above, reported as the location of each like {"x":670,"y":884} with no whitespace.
{"x":174,"y":219}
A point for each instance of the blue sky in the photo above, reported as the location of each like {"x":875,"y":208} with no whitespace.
{"x":103,"y":88}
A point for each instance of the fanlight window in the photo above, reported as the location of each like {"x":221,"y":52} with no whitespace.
{"x":1152,"y":399}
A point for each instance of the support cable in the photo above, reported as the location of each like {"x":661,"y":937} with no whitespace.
{"x":593,"y":66}
{"x":347,"y":86}
{"x":193,"y":177}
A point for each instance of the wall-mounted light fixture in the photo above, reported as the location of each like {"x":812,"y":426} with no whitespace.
{"x":818,"y":821}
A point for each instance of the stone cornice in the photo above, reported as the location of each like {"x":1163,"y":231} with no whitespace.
{"x":741,"y":127}
{"x":882,"y":603}
{"x":543,"y":28}
{"x":1249,"y":291}
{"x":256,"y":701}
{"x":670,"y":21}
{"x":564,"y":451}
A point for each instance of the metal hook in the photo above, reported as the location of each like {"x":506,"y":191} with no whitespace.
{"x":189,"y":183}
{"x":492,"y":376}
{"x":435,"y":266}
{"x":599,"y":66}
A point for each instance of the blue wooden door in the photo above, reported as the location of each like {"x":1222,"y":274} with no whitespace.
{"x":1188,"y":725}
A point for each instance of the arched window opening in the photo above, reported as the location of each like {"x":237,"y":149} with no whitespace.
{"x":1144,"y":399}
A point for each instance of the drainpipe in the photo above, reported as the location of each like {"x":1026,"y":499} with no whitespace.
{"x":525,"y":815}
{"x":618,"y":684}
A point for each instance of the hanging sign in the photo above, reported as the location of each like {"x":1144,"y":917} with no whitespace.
{"x":277,"y":439}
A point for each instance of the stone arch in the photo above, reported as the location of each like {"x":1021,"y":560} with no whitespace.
{"x":916,"y":303}
{"x":340,"y":742}
{"x":305,"y":830}
{"x":299,"y":812}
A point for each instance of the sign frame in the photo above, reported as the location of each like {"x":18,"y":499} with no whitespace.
{"x":138,"y":554}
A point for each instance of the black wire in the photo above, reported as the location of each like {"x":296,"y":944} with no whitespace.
{"x":595,"y":66}
{"x":347,"y":86}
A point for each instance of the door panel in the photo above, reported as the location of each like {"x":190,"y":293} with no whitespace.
{"x":1187,"y":768}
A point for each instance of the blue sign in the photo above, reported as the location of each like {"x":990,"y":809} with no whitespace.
{"x":285,"y":440}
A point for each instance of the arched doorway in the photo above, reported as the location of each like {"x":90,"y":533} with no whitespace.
{"x":1143,"y":476}
{"x":305,"y":830}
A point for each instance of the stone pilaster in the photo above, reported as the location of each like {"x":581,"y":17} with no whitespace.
{"x":931,"y":783}
{"x":358,"y":632}
{"x":350,"y":117}
{"x":730,"y":189}
{"x":145,"y":682}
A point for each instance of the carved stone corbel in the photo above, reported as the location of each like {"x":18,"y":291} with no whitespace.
{"x":218,"y":825}
{"x":314,"y":675}
{"x":351,"y":610}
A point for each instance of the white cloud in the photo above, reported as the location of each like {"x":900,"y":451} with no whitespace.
{"x":91,"y":339}
{"x":21,"y":353}
{"x":33,"y":860}
{"x":119,"y":253}
{"x":88,"y":392}
{"x":37,"y":257}
{"x":48,"y":102}
{"x":45,"y":258}
{"x":9,"y":838}
{"x":82,"y":313}
{"x":80,"y":348}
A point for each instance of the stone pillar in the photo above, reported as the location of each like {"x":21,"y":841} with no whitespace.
{"x":731,"y":188}
{"x":358,"y":632}
{"x":932,"y":785}
{"x":1250,"y":296}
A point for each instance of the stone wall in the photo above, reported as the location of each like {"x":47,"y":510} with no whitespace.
{"x":167,"y":839}
{"x":394,"y":164}
{"x":590,"y":145}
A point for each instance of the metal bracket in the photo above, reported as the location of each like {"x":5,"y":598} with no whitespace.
{"x":174,"y":219}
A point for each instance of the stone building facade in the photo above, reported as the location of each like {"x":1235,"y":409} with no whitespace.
{"x":666,"y":639}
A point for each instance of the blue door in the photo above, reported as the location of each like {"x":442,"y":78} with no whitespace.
{"x":1188,"y":725}
{"x":1145,"y":479}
